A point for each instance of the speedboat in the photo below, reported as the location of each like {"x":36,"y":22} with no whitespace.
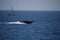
{"x":18,"y":22}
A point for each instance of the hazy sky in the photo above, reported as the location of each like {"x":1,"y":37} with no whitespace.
{"x":30,"y":4}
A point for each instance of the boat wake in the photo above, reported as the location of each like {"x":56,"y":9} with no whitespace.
{"x":17,"y":22}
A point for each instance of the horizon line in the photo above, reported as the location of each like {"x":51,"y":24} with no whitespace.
{"x":31,"y":10}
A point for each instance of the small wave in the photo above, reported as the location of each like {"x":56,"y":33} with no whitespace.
{"x":12,"y":22}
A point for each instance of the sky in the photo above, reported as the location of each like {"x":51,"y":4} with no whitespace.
{"x":30,"y":4}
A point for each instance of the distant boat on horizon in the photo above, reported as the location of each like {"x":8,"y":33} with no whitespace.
{"x":12,"y":13}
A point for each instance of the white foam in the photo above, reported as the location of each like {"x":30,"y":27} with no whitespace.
{"x":17,"y":22}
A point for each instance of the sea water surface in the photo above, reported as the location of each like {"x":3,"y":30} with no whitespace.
{"x":46,"y":25}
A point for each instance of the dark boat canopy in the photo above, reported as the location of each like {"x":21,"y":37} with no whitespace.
{"x":27,"y":21}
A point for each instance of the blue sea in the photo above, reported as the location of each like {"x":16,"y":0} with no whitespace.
{"x":46,"y":25}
